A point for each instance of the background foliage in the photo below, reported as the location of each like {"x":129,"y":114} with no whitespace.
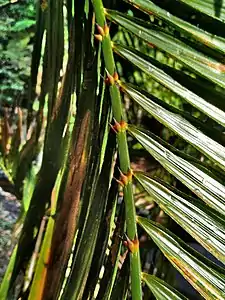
{"x":17,"y":30}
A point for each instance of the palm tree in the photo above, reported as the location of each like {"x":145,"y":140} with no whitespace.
{"x":74,"y":230}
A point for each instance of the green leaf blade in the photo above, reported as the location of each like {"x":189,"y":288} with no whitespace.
{"x":161,"y":289}
{"x":180,"y":126}
{"x":188,"y":29}
{"x":206,"y":188}
{"x":199,"y":223}
{"x":163,"y":78}
{"x":209,"y":282}
{"x":208,"y":7}
{"x":194,"y":60}
{"x":5,"y":284}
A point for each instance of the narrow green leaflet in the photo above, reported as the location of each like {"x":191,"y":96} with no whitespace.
{"x":4,"y":288}
{"x":199,"y":272}
{"x":213,"y":8}
{"x":161,"y":289}
{"x":28,"y":188}
{"x":181,"y":126}
{"x":208,"y":231}
{"x":212,"y":132}
{"x":166,"y":80}
{"x":39,"y":280}
{"x":193,"y":59}
{"x":204,"y":166}
{"x":205,"y":187}
{"x":194,"y":32}
{"x":197,"y":202}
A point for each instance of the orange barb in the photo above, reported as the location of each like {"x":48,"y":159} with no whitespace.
{"x":123,"y":125}
{"x":132,"y":245}
{"x":116,"y":127}
{"x":98,"y":37}
{"x":119,"y":126}
{"x":106,"y":29}
{"x":111,"y":79}
{"x":103,"y":31}
{"x":119,"y":181}
{"x":116,"y":76}
{"x":125,"y":178}
{"x":44,"y":5}
{"x":100,"y":30}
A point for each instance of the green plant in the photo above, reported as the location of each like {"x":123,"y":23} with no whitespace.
{"x":72,"y":214}
{"x":17,"y":29}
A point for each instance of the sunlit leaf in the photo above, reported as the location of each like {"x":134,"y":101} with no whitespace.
{"x":180,"y":126}
{"x":160,"y":76}
{"x":208,"y":189}
{"x":161,"y":289}
{"x":205,"y":276}
{"x":194,"y":218}
{"x":191,"y":58}
{"x":205,"y":127}
{"x":192,"y":31}
{"x":215,"y":9}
